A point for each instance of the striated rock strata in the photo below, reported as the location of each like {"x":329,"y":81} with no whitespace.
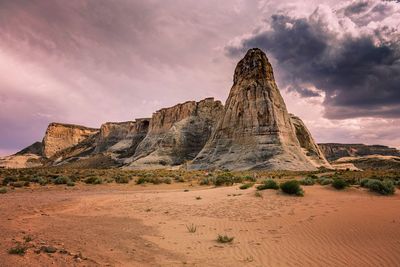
{"x":255,"y":130}
{"x":177,"y":134}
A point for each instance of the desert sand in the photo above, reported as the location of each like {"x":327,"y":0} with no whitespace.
{"x":133,"y":225}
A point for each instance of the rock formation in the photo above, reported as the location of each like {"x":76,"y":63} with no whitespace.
{"x":255,"y":130}
{"x":307,"y":143}
{"x":177,"y":134}
{"x":334,"y":151}
{"x":60,"y":136}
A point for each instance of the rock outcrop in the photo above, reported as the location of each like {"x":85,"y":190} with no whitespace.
{"x":255,"y":130}
{"x":177,"y":134}
{"x":334,"y":151}
{"x":61,"y":136}
{"x":307,"y":143}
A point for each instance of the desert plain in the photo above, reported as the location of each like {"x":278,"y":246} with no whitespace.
{"x":178,"y":223}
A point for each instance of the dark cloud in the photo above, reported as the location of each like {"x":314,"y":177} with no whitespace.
{"x":357,"y":67}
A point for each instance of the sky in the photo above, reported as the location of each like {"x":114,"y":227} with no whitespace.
{"x":337,"y":63}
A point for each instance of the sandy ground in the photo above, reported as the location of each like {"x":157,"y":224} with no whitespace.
{"x":130,"y":225}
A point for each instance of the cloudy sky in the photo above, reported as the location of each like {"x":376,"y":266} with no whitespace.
{"x":86,"y":62}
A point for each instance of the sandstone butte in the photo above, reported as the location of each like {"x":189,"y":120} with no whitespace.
{"x":252,"y":131}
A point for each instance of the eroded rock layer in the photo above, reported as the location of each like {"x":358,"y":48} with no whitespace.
{"x":177,"y":134}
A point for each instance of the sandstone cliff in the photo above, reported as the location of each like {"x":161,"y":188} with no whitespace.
{"x":60,"y":136}
{"x":334,"y":151}
{"x":177,"y":134}
{"x":255,"y":130}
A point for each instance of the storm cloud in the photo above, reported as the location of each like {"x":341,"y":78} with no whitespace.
{"x":350,"y":54}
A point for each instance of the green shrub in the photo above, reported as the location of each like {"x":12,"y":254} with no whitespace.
{"x":141,"y":180}
{"x":249,"y":178}
{"x":225,"y":178}
{"x":246,"y":186}
{"x":364,"y":182}
{"x":121,"y":179}
{"x":339,"y":184}
{"x":8,"y":180}
{"x":93,"y":180}
{"x":167,"y":180}
{"x":307,"y":181}
{"x":61,"y":180}
{"x":325,"y":181}
{"x":207,"y":181}
{"x":268,"y":184}
{"x":18,"y":250}
{"x":70,"y":183}
{"x":3,"y":190}
{"x":224,"y":239}
{"x":385,"y":187}
{"x":292,"y":187}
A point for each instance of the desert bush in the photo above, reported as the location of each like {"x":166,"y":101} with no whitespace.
{"x":8,"y":180}
{"x":339,"y":183}
{"x":268,"y":184}
{"x":307,"y":181}
{"x":325,"y":181}
{"x":18,"y":250}
{"x":292,"y":187}
{"x":258,"y":194}
{"x":225,"y":178}
{"x":385,"y":187}
{"x":93,"y":180}
{"x":364,"y":182}
{"x":70,"y":183}
{"x":207,"y":181}
{"x":192,"y":228}
{"x":167,"y":180}
{"x":3,"y":190}
{"x":246,"y":186}
{"x":61,"y":180}
{"x":224,"y":239}
{"x":141,"y":180}
{"x":249,"y":178}
{"x":121,"y":179}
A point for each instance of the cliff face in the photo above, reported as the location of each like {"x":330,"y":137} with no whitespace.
{"x":177,"y":134}
{"x":62,"y":136}
{"x":334,"y":151}
{"x":255,"y":130}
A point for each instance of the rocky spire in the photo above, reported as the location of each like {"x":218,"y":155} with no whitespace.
{"x":255,"y":130}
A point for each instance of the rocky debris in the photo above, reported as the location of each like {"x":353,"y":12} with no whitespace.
{"x":334,"y":151}
{"x":60,"y":136}
{"x":255,"y":130}
{"x":308,"y":144}
{"x":177,"y":134}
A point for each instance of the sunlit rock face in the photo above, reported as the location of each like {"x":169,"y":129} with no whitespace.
{"x":255,"y":130}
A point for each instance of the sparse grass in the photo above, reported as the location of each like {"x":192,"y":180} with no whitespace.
{"x":268,"y":184}
{"x":192,"y":228}
{"x":339,"y":184}
{"x":292,"y":187}
{"x":246,"y":186}
{"x":18,"y":250}
{"x":121,"y":179}
{"x":225,"y":239}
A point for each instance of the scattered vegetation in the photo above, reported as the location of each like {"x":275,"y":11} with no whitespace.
{"x":18,"y":250}
{"x":292,"y":187}
{"x":246,"y":186}
{"x":192,"y":228}
{"x":224,"y":239}
{"x":119,"y":179}
{"x":268,"y":184}
{"x":3,"y":190}
{"x":385,"y":187}
{"x":307,"y":181}
{"x":93,"y":180}
{"x":325,"y":181}
{"x":339,"y":184}
{"x":258,"y":194}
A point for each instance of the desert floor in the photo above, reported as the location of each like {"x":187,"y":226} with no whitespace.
{"x":132,"y":225}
